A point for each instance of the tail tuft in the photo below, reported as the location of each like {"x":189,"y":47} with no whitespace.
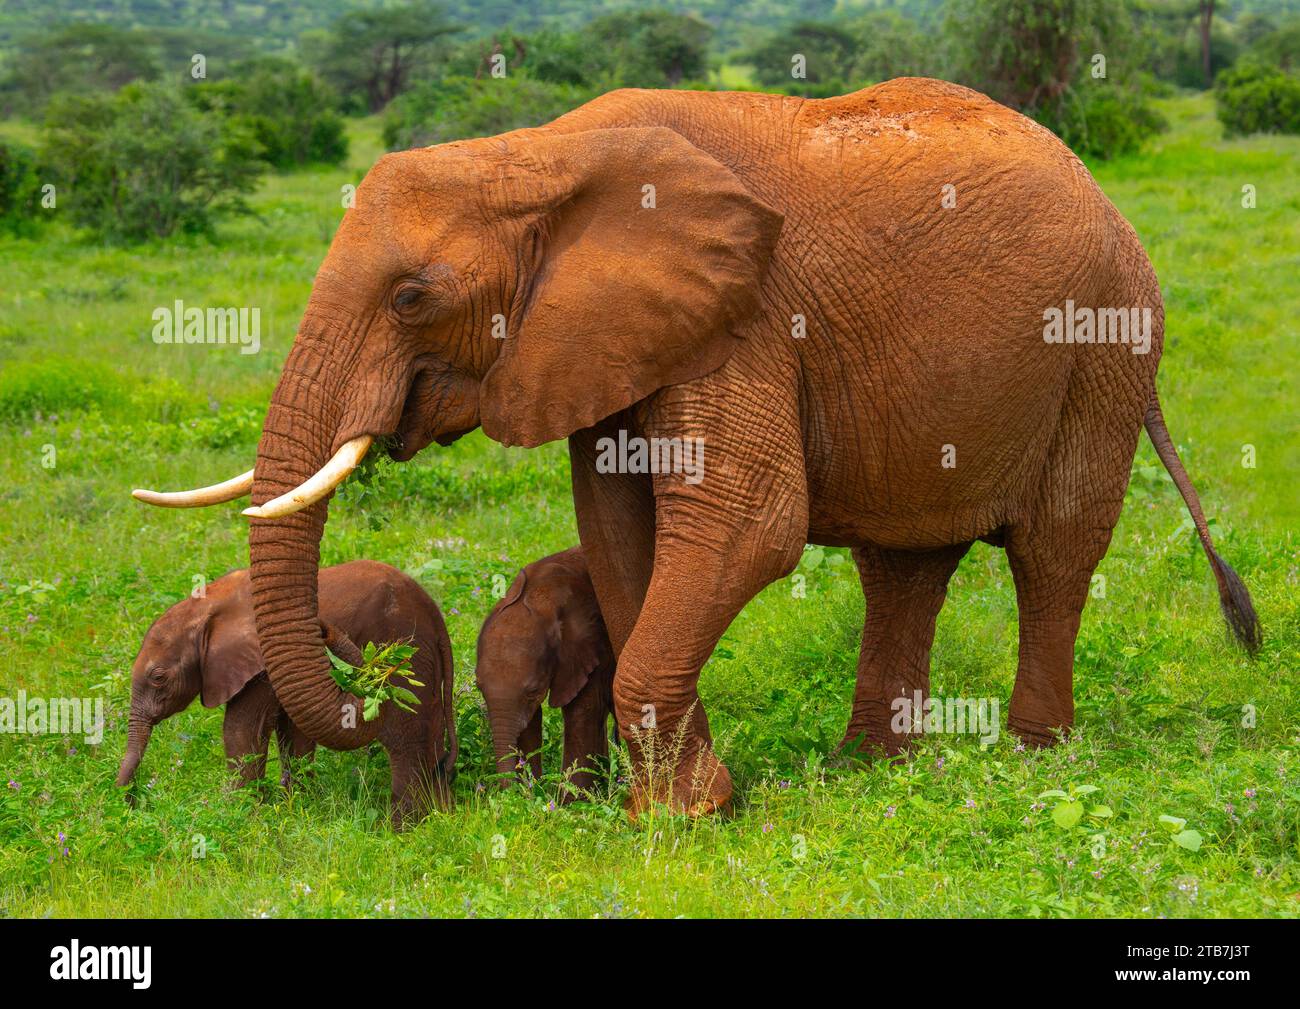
{"x":1234,"y":598}
{"x":1238,"y":610}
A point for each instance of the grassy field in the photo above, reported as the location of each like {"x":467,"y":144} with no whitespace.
{"x":957,"y":830}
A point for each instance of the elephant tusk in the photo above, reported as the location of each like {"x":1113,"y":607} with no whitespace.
{"x":325,"y":480}
{"x":218,"y":493}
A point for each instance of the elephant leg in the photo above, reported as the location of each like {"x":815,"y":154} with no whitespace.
{"x":584,"y":736}
{"x":413,"y":790}
{"x":246,"y":729}
{"x":905,"y":591}
{"x":725,"y":527}
{"x":616,"y":524}
{"x":1054,"y":552}
{"x":294,"y":745}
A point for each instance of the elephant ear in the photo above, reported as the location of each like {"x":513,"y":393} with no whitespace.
{"x":581,"y":645}
{"x":228,"y":654}
{"x":632,"y":288}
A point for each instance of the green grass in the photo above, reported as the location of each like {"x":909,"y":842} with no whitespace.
{"x":955,"y":831}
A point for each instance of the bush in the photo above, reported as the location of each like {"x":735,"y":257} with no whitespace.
{"x":1253,"y":98}
{"x":461,"y":107}
{"x":146,"y":162}
{"x":57,"y":385}
{"x":20,"y":188}
{"x":288,"y":110}
{"x":1102,"y":121}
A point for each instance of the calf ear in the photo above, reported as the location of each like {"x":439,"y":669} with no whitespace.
{"x":228,"y":655}
{"x":582,"y":645}
{"x":644,"y":256}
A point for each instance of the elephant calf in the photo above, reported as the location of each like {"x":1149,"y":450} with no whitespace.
{"x":207,"y":647}
{"x":547,"y":635}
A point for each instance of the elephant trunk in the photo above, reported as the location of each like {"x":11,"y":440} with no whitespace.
{"x":506,"y":728}
{"x":297,"y":439}
{"x":138,"y":732}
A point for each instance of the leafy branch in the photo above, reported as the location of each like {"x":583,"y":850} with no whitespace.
{"x":372,"y":681}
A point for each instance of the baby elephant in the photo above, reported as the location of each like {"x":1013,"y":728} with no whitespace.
{"x":207,"y":647}
{"x":547,"y":634}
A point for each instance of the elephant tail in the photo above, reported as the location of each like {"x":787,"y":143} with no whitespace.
{"x":1234,"y":598}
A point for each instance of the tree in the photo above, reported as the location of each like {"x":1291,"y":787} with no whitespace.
{"x":372,"y":56}
{"x":828,"y":53}
{"x":147,"y":161}
{"x":1024,"y":53}
{"x":651,"y":49}
{"x":890,"y":45}
{"x":288,"y":110}
{"x":77,"y":57}
{"x":1031,"y":55}
{"x":1205,"y":19}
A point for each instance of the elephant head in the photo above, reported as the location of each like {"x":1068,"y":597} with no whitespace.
{"x":200,"y":647}
{"x":532,"y":283}
{"x":545,"y":636}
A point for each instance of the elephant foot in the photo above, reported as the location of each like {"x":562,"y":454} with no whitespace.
{"x":1035,"y":735}
{"x":693,"y":781}
{"x":869,"y":741}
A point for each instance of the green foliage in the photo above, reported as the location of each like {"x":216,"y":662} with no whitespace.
{"x":372,"y":681}
{"x":461,"y":107}
{"x":20,"y":188}
{"x":649,"y":49}
{"x":1070,"y":809}
{"x":56,"y":385}
{"x":1189,"y":69}
{"x":890,"y":45}
{"x":1038,"y":58}
{"x":829,"y":53}
{"x":1277,"y":46}
{"x":287,"y":109}
{"x":146,"y":162}
{"x":1101,"y":120}
{"x":1253,"y":98}
{"x":373,"y":54}
{"x":77,"y":57}
{"x":1026,"y":53}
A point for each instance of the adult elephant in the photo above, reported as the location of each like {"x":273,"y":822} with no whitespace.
{"x":843,"y":299}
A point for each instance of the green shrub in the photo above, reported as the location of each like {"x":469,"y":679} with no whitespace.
{"x":1254,"y":98}
{"x":20,"y":188}
{"x":57,"y":385}
{"x":460,"y":107}
{"x":1098,"y":120}
{"x":288,"y":110}
{"x":146,"y":162}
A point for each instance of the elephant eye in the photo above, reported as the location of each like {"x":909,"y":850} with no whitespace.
{"x":407,"y":295}
{"x":157,"y":677}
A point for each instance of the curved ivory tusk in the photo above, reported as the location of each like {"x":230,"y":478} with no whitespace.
{"x":325,"y":480}
{"x":218,"y":493}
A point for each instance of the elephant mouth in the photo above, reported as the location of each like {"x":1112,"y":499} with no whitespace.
{"x":440,"y":407}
